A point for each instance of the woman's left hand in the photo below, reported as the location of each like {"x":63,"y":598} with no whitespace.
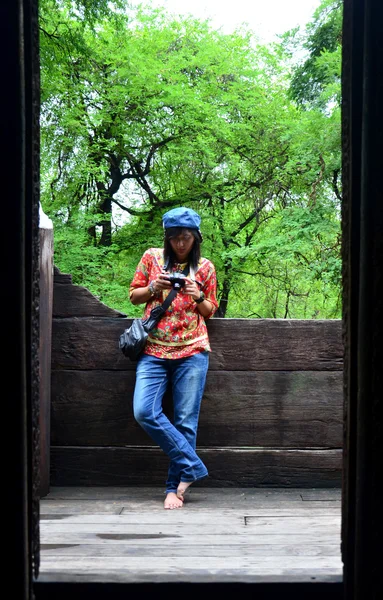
{"x":192,"y":288}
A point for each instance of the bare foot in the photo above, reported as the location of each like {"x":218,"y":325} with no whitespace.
{"x":172,"y":501}
{"x":182,"y":489}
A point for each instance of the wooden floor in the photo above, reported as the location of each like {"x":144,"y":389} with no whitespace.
{"x":232,"y":534}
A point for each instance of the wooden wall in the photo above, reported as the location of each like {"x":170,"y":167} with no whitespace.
{"x":271,"y":413}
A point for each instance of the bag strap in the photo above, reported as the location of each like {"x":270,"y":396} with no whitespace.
{"x":168,"y":300}
{"x":158,"y":312}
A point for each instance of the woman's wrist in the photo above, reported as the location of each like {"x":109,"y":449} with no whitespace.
{"x":201,"y":298}
{"x":152,"y":289}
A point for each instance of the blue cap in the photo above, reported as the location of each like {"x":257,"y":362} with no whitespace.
{"x":181,"y":217}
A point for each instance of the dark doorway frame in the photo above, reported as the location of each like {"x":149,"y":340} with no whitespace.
{"x":362,"y":224}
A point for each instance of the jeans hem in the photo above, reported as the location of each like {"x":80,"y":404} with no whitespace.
{"x":174,"y":491}
{"x":195,"y":479}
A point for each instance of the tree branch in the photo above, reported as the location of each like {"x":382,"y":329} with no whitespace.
{"x":335,"y":185}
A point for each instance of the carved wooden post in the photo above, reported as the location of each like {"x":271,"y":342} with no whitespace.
{"x":362,"y":92}
{"x":45,"y":345}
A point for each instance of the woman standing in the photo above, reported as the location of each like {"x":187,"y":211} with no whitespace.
{"x":177,"y":351}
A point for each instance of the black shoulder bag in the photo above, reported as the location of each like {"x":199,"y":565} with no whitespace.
{"x":132,"y":341}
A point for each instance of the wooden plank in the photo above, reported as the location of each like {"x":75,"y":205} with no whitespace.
{"x":293,"y":409}
{"x":276,"y":344}
{"x":177,"y":566}
{"x":183,"y":549}
{"x":61,"y":278}
{"x":295,"y":578}
{"x":240,"y":467}
{"x":160,"y":516}
{"x":288,"y":526}
{"x":77,"y":301}
{"x":273,"y":467}
{"x":302,"y":577}
{"x":291,"y":525}
{"x":272,"y":408}
{"x":222,"y":498}
{"x":73,"y":507}
{"x":321,"y":495}
{"x":148,"y":500}
{"x":164,"y":563}
{"x":237,"y":344}
{"x":146,"y":505}
{"x":194,"y":540}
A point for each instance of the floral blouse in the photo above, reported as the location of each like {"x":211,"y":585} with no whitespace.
{"x":182,"y":331}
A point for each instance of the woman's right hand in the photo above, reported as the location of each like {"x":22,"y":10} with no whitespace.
{"x":161,"y":282}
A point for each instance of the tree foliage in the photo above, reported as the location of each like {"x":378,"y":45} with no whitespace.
{"x":316,"y":80}
{"x":142,"y":112}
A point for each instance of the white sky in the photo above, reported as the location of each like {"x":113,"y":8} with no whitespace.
{"x":267,"y":18}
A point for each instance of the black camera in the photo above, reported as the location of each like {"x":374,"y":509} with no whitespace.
{"x":177,"y":280}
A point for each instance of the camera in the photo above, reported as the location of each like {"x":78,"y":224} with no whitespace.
{"x":177,"y":280}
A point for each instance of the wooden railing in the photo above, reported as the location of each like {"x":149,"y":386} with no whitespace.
{"x":271,"y":413}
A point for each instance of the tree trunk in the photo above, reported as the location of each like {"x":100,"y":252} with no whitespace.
{"x":222,"y":308}
{"x":106,"y":224}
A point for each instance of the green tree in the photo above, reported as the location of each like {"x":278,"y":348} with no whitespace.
{"x":180,"y":111}
{"x":316,"y":80}
{"x":142,"y":112}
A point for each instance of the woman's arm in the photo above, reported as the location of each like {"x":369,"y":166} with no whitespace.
{"x":205,"y":307}
{"x":143,"y":294}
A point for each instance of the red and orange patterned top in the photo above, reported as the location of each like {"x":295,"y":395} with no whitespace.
{"x":182,"y":330}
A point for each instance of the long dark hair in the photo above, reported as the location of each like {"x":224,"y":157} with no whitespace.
{"x":169,"y":254}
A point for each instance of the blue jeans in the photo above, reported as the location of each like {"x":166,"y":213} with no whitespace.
{"x":178,"y":439}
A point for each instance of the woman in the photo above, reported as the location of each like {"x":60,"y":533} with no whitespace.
{"x":177,"y":351}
